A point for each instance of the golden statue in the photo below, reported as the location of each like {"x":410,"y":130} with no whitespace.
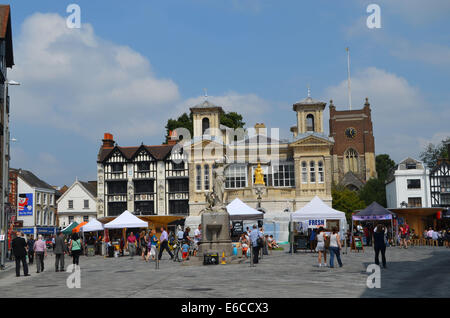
{"x":259,"y":175}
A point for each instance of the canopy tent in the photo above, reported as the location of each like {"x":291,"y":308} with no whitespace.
{"x":92,"y":226}
{"x":316,"y":213}
{"x":238,"y":210}
{"x":373,"y":212}
{"x":76,"y":229}
{"x":126,"y":220}
{"x":69,"y":228}
{"x":316,"y":209}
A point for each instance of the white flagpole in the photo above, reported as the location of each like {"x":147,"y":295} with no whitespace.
{"x":349,"y":82}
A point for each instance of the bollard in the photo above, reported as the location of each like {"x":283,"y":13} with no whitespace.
{"x":157,"y":259}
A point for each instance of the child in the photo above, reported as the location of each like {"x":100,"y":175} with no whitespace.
{"x":185,"y":249}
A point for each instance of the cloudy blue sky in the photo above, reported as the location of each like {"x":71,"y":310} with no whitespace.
{"x":133,"y":64}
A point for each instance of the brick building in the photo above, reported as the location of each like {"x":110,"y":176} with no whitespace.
{"x":353,"y":152}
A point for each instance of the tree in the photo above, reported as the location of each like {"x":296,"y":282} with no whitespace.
{"x":384,"y":164}
{"x":184,"y":121}
{"x":230,"y":119}
{"x":346,"y":200}
{"x":432,"y":153}
{"x":374,"y":190}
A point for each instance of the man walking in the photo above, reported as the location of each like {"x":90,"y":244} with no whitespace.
{"x":30,"y":245}
{"x":254,"y":236}
{"x":164,"y":244}
{"x":19,"y":248}
{"x":40,"y":251}
{"x":60,"y":250}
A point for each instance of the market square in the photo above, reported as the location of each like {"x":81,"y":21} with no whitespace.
{"x":224,"y":149}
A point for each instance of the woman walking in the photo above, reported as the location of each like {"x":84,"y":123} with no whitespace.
{"x":143,"y":244}
{"x":379,"y":245}
{"x":335,"y":247}
{"x":75,"y":248}
{"x":152,"y":243}
{"x":321,"y":237}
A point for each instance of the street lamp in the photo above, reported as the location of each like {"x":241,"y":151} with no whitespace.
{"x":5,"y":170}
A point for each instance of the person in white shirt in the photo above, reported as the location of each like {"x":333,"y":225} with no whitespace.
{"x":321,"y":237}
{"x":197,"y":238}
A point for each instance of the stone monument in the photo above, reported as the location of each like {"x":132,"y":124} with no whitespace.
{"x":215,"y":218}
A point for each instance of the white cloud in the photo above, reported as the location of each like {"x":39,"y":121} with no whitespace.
{"x":402,"y":118}
{"x":71,"y":79}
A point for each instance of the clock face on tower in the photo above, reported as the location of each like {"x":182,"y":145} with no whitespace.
{"x":350,"y":132}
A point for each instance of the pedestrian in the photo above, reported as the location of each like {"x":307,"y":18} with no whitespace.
{"x":152,"y":244}
{"x":143,"y":243}
{"x":185,"y":251}
{"x":163,"y":239}
{"x":19,"y":249}
{"x":131,"y":240}
{"x":335,"y":247}
{"x":197,"y":238}
{"x":379,"y":244}
{"x":75,"y":248}
{"x":30,"y":245}
{"x":186,"y":237}
{"x":321,"y":238}
{"x":257,"y":241}
{"x":60,"y":250}
{"x":312,"y":240}
{"x":40,"y":251}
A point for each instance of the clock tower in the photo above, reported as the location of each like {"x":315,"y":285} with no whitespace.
{"x":353,"y":153}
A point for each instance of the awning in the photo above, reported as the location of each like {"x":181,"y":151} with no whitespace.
{"x":92,"y":226}
{"x":76,"y":229}
{"x":126,"y":220}
{"x":373,"y":212}
{"x":68,"y":229}
{"x":238,"y":210}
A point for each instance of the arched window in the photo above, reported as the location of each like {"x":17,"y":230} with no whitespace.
{"x":310,"y":123}
{"x":312,"y":172}
{"x":205,"y":125}
{"x":351,"y":160}
{"x":304,"y":172}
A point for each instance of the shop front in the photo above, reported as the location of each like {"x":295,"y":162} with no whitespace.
{"x":418,"y":219}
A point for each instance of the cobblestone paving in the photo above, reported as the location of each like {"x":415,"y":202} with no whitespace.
{"x":412,"y":272}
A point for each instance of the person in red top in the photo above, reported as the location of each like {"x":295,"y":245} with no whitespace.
{"x":131,"y":244}
{"x":403,"y":232}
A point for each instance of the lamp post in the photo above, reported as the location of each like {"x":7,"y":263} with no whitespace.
{"x":5,"y":175}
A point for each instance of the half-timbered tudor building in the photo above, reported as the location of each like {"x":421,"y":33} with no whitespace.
{"x":440,"y":182}
{"x":145,"y":180}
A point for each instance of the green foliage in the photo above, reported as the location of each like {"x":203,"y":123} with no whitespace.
{"x":184,"y":121}
{"x":374,"y":190}
{"x":432,"y":153}
{"x":384,"y":164}
{"x":232,"y":120}
{"x":346,"y":200}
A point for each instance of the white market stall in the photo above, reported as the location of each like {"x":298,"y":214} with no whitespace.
{"x":126,"y":220}
{"x":92,"y":226}
{"x":240,"y":212}
{"x":316,"y":214}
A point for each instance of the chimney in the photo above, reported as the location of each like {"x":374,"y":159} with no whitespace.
{"x":108,"y":141}
{"x":173,"y":138}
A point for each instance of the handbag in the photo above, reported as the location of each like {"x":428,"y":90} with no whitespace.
{"x":260,"y":242}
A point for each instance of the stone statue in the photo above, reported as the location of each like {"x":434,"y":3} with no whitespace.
{"x":215,"y":199}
